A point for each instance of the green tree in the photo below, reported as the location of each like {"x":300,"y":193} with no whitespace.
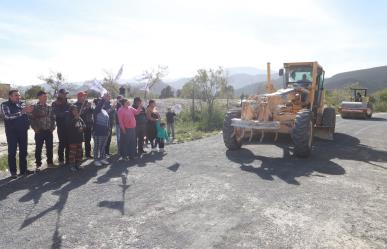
{"x":32,"y":92}
{"x":227,"y":92}
{"x":55,"y":80}
{"x":209,"y":85}
{"x":190,"y":91}
{"x":178,"y":93}
{"x":380,"y":101}
{"x":108,"y":83}
{"x":187,"y":90}
{"x":166,"y":92}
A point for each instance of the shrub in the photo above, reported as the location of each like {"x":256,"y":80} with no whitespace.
{"x":211,"y":122}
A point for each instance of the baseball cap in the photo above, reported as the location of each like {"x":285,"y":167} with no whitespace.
{"x":40,"y":93}
{"x":81,"y":94}
{"x":63,"y":91}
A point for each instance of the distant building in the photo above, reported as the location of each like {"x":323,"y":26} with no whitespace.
{"x":4,"y":89}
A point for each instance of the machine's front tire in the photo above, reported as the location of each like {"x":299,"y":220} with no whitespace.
{"x":329,"y":118}
{"x":229,"y":137}
{"x":302,"y":134}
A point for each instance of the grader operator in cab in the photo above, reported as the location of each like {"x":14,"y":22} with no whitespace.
{"x":297,"y":109}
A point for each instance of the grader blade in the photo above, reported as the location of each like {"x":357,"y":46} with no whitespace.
{"x":255,"y":124}
{"x":325,"y":133}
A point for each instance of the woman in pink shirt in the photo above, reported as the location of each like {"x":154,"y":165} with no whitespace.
{"x":126,"y":118}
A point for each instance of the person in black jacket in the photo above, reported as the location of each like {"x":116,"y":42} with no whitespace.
{"x":86,"y":112}
{"x":112,"y":116}
{"x":141,"y":121}
{"x":170,"y":115}
{"x":74,"y":131}
{"x":16,"y":129}
{"x":61,"y":108}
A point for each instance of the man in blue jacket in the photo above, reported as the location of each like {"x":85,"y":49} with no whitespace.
{"x":16,"y":127}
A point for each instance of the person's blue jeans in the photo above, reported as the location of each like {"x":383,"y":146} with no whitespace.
{"x":17,"y":138}
{"x":42,"y":137}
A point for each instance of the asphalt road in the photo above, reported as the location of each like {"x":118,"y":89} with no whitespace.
{"x":199,"y":195}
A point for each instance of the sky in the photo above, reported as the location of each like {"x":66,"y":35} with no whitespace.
{"x":84,"y":39}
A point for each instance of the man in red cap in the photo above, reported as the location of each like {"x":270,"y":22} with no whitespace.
{"x":86,"y":112}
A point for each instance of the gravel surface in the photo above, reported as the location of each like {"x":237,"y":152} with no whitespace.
{"x":199,"y":195}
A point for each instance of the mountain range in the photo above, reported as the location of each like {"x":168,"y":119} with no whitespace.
{"x":374,"y":79}
{"x":249,"y":80}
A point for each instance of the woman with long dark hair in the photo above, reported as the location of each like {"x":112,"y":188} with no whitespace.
{"x":152,"y":116}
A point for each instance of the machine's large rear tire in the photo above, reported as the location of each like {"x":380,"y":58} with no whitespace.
{"x":329,"y":118}
{"x":228,"y":130}
{"x":302,"y":134}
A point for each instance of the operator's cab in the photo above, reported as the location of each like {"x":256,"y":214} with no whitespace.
{"x":305,"y":77}
{"x":359,"y":95}
{"x":298,"y":77}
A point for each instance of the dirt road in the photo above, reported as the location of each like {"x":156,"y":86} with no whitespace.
{"x":199,"y":195}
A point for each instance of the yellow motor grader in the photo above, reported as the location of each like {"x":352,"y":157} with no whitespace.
{"x":297,"y":109}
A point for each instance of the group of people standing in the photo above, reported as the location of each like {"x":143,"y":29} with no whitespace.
{"x":76,"y":124}
{"x":137,"y":126}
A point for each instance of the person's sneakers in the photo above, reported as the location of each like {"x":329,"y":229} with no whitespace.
{"x":78,"y":167}
{"x":73,"y":168}
{"x":104,"y":162}
{"x":13,"y":176}
{"x":161,"y":150}
{"x":29,"y":172}
{"x":97,"y":163}
{"x":61,"y":164}
{"x":52,"y":166}
{"x":89,"y":157}
{"x":37,"y":169}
